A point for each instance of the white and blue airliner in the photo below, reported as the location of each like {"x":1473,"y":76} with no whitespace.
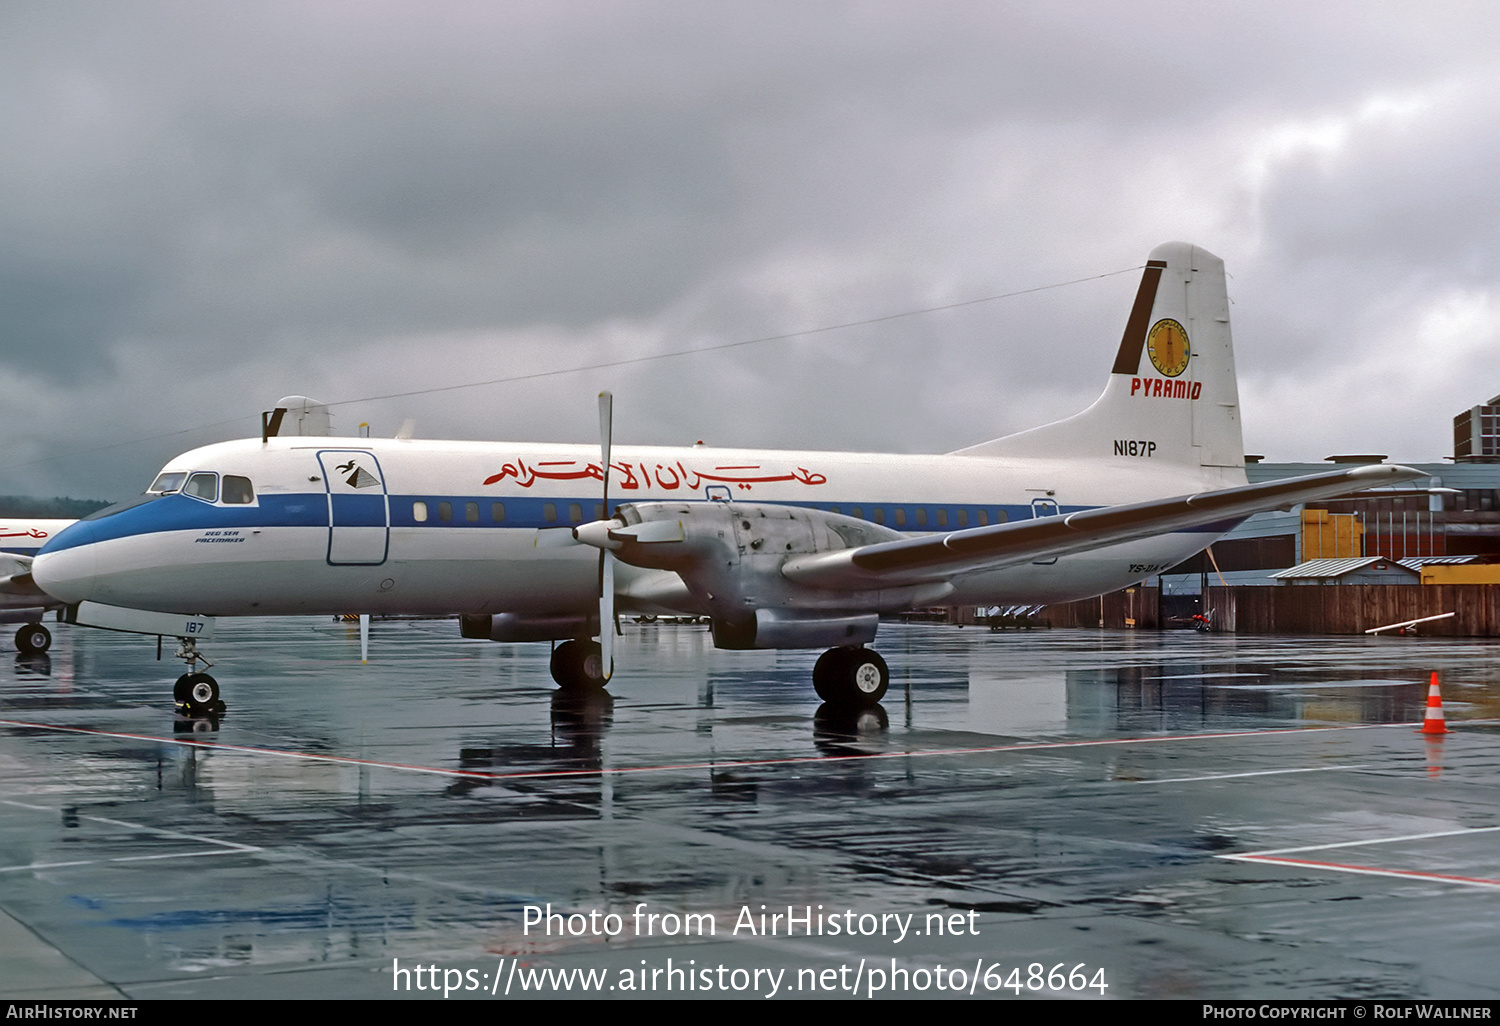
{"x":779,"y":549}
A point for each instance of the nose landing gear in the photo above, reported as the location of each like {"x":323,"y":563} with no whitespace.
{"x":195,"y":693}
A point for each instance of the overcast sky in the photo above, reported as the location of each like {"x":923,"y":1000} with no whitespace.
{"x":207,"y":206}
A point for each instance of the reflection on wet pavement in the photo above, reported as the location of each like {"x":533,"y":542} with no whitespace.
{"x":1106,"y":800}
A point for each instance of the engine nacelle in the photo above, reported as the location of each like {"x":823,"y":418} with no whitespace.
{"x":515,"y":627}
{"x":775,"y":628}
{"x":730,"y":557}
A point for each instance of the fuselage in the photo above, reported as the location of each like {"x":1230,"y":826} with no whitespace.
{"x":327,"y":525}
{"x":26,"y":537}
{"x":19,"y":541}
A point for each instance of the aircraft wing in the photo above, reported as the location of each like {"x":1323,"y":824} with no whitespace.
{"x":16,"y":585}
{"x":13,"y":566}
{"x":942,"y":556}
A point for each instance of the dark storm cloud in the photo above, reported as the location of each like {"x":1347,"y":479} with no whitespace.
{"x":205,"y":206}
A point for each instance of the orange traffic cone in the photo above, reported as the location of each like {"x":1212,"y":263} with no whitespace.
{"x":1433,"y":723}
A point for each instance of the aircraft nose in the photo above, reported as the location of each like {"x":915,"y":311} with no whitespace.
{"x":66,"y":567}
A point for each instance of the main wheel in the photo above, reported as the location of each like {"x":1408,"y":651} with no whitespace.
{"x":578,"y":665}
{"x":33,"y":639}
{"x":851,"y":677}
{"x":198,"y":692}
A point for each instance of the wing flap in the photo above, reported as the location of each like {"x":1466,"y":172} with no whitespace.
{"x":981,"y":548}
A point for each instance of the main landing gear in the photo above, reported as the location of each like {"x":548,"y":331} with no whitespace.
{"x":851,"y":677}
{"x":195,"y":693}
{"x":33,"y":639}
{"x":578,"y":665}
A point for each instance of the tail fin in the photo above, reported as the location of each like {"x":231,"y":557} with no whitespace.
{"x":1173,"y":385}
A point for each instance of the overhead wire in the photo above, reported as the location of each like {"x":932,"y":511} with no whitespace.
{"x":604,"y":365}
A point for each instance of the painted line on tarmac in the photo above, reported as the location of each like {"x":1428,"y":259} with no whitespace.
{"x":1251,"y":773}
{"x":1030,"y":746}
{"x":224,"y":847}
{"x":1277,"y":857}
{"x":39,"y":866}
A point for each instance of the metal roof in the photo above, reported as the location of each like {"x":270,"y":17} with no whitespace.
{"x":1418,"y":562}
{"x":1333,"y":567}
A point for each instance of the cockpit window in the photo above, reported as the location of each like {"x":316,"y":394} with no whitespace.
{"x":202,"y":486}
{"x":165,"y":483}
{"x":237,"y":490}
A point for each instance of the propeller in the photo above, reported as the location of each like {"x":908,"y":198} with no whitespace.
{"x":607,"y":535}
{"x":606,"y":557}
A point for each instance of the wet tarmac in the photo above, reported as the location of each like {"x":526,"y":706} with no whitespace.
{"x":1053,"y":813}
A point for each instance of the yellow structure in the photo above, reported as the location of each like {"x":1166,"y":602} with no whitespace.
{"x":1328,"y":535}
{"x":1480,"y":573}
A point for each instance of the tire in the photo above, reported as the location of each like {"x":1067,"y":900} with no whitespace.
{"x":200,"y":693}
{"x":851,"y":677}
{"x":826,"y":673}
{"x":33,"y":639}
{"x":578,"y":665}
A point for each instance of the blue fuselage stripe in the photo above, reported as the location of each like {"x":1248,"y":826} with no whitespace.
{"x":183,"y":513}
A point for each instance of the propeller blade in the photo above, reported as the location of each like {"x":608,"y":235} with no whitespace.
{"x":606,"y":558}
{"x":606,"y":429}
{"x":607,"y":614}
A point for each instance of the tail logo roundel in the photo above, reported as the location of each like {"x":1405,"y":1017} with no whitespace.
{"x":1167,"y":345}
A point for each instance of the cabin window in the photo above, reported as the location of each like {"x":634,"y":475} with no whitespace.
{"x":857,"y":513}
{"x":598,"y":511}
{"x":445,"y":511}
{"x":1001,"y":516}
{"x":166,"y":483}
{"x":202,"y":486}
{"x":942,"y":517}
{"x":549,"y":512}
{"x":497,"y":511}
{"x":921,"y":518}
{"x":237,"y":490}
{"x":878,"y":515}
{"x":963,"y":518}
{"x":900,"y":517}
{"x":833,"y":509}
{"x":419,"y":512}
{"x":981,"y":518}
{"x":575,"y":512}
{"x":471,"y":512}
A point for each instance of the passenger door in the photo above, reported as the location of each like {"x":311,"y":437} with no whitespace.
{"x":359,"y":514}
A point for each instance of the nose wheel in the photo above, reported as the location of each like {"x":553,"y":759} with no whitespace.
{"x":195,"y":693}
